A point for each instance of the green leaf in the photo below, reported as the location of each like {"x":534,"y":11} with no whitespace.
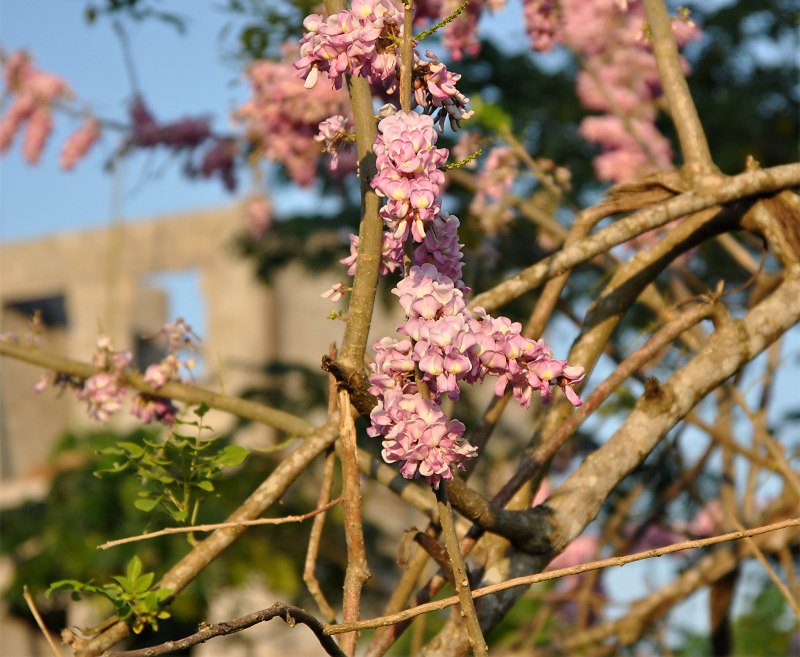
{"x":230,"y":456}
{"x":179,"y":515}
{"x":134,"y":568}
{"x":125,"y":582}
{"x":143,"y":583}
{"x":205,"y":485}
{"x":201,"y":410}
{"x":65,"y":585}
{"x":146,"y":504}
{"x":115,"y":470}
{"x":135,"y":451}
{"x":162,"y":594}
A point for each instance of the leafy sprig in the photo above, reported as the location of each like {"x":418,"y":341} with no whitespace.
{"x":134,"y":600}
{"x":178,"y":472}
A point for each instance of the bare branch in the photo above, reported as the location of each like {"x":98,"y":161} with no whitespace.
{"x":720,"y":192}
{"x":190,"y":394}
{"x":291,"y":615}
{"x":694,"y":145}
{"x":465,"y":601}
{"x":220,"y":525}
{"x":39,"y":621}
{"x":561,"y":572}
{"x":357,"y":570}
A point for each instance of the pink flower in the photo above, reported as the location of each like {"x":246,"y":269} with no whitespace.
{"x":258,"y":218}
{"x":335,"y":292}
{"x":103,"y":394}
{"x":40,"y":125}
{"x":391,"y":254}
{"x":419,"y":437}
{"x":79,"y":143}
{"x":543,"y":23}
{"x":149,"y":408}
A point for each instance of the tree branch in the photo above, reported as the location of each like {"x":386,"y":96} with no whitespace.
{"x":184,"y":392}
{"x":691,"y":135}
{"x":291,"y":615}
{"x":729,"y":189}
{"x":556,"y":574}
{"x":362,"y":298}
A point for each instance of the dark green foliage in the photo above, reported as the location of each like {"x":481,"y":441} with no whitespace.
{"x":177,"y":472}
{"x":136,"y":10}
{"x":130,"y":594}
{"x":764,"y":630}
{"x":265,"y":25}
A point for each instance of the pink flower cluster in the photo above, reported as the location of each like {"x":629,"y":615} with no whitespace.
{"x":363,"y":41}
{"x":446,"y":344}
{"x":460,"y":36}
{"x":391,"y":254}
{"x":449,"y":344}
{"x":418,"y":435}
{"x":105,"y":391}
{"x":358,"y":41}
{"x":621,"y":80}
{"x":408,"y":173}
{"x":282,"y":118}
{"x":76,"y":147}
{"x":34,"y":93}
{"x":333,"y":132}
{"x":441,"y":248}
{"x":500,"y":170}
{"x":544,"y":23}
{"x":185,"y":135}
{"x":391,"y":259}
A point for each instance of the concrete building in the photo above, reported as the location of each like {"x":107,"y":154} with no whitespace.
{"x":109,"y":280}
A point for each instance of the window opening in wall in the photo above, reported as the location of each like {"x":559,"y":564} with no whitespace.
{"x":163,"y":297}
{"x":53,"y":310}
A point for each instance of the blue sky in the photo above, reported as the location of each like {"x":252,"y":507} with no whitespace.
{"x":178,"y":75}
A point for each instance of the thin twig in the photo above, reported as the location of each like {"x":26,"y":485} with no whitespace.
{"x":467,"y":604}
{"x":313,"y":544}
{"x":770,"y":571}
{"x":315,"y":537}
{"x":291,"y":615}
{"x":38,"y":617}
{"x":718,"y":192}
{"x":220,"y":525}
{"x":694,"y":145}
{"x":562,"y":572}
{"x":357,"y":570}
{"x":178,"y":391}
